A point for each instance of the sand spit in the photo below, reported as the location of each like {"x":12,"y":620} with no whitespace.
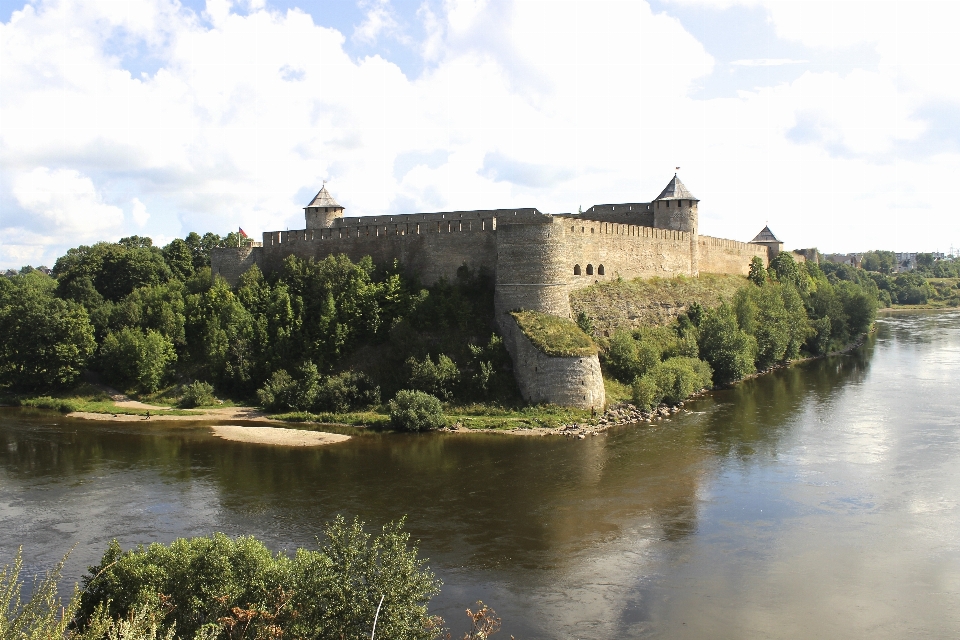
{"x":277,"y":436}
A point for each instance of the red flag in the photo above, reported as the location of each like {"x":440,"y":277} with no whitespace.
{"x":243,"y":234}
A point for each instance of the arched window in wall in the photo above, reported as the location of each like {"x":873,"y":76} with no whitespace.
{"x":589,"y":269}
{"x":576,"y":269}
{"x":600,"y":270}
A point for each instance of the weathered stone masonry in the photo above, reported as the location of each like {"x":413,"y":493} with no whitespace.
{"x":537,"y":260}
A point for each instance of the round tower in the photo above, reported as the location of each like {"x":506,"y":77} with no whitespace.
{"x":532,"y":268}
{"x":676,"y":209}
{"x":322,"y":210}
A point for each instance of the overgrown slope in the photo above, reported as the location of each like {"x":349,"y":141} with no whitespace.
{"x":630,"y":304}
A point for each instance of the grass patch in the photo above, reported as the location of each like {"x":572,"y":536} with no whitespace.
{"x":473,"y":416}
{"x":84,"y":397}
{"x":617,"y":391}
{"x":555,"y":336}
{"x":373,"y":419}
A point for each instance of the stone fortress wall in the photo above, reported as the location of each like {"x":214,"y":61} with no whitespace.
{"x":537,"y":260}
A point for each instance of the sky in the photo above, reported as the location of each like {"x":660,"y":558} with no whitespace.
{"x":836,"y":123}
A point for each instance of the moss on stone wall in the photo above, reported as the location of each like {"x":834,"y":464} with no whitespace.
{"x":555,"y":336}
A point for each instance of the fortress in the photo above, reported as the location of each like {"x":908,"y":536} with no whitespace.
{"x":537,"y":259}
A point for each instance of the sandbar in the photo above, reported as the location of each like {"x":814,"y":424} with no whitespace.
{"x":277,"y":436}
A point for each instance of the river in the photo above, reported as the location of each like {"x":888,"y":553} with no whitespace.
{"x":817,"y":501}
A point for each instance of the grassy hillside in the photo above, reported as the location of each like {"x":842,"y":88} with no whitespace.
{"x":630,"y":304}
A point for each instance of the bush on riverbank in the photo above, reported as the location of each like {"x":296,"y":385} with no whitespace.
{"x":416,"y":411}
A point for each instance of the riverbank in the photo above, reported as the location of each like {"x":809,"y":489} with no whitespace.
{"x":477,"y":418}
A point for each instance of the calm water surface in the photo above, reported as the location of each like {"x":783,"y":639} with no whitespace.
{"x":819,"y":501}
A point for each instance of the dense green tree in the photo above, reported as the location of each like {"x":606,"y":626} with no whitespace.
{"x":726,"y":348}
{"x":114,"y":270}
{"x":159,"y":307}
{"x":44,"y":341}
{"x":134,"y":359}
{"x":179,"y":258}
{"x":758,"y":273}
{"x":881,"y":261}
{"x":786,"y":271}
{"x":219,"y":333}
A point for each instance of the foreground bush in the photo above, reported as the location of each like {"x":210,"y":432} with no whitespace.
{"x":218,"y":587}
{"x":416,"y":411}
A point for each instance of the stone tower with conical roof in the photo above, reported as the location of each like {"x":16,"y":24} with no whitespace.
{"x":676,"y":209}
{"x":322,"y":210}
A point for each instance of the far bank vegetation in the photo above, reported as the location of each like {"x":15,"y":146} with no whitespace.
{"x":336,"y":340}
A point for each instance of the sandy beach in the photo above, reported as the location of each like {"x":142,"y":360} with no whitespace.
{"x":277,"y":436}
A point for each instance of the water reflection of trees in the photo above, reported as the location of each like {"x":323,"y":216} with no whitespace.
{"x":476,"y":499}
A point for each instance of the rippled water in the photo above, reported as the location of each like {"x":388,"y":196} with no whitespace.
{"x":818,"y":501}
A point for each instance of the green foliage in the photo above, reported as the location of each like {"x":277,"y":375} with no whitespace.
{"x":43,"y":616}
{"x":678,"y":378}
{"x":179,"y":258}
{"x":136,"y":359}
{"x":197,"y":394}
{"x":775,"y":316}
{"x":881,"y":261}
{"x":283,"y":392}
{"x":44,"y":341}
{"x":416,"y":411}
{"x":584,"y":322}
{"x":726,"y":348}
{"x":113,"y":270}
{"x":912,"y":288}
{"x":214,"y":585}
{"x":438,"y":379}
{"x":646,"y":393}
{"x":758,"y":273}
{"x":785,"y":270}
{"x":347,"y":391}
{"x":554,"y":336}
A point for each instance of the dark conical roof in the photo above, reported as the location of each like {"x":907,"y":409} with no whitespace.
{"x":324,"y":199}
{"x":676,"y":191}
{"x":765,"y":236}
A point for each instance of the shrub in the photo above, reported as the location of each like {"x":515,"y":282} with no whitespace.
{"x":346,"y":391}
{"x":211,"y":585}
{"x":197,"y":394}
{"x":679,"y":378}
{"x":438,"y":379}
{"x":646,"y":393}
{"x":416,"y":411}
